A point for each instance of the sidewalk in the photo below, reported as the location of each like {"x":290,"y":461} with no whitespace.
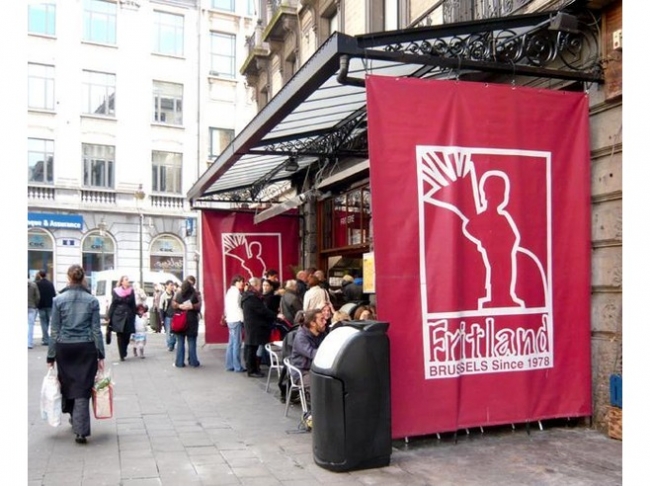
{"x":206,"y":426}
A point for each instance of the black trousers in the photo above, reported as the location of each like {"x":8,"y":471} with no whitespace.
{"x":123,"y":343}
{"x":250,"y":355}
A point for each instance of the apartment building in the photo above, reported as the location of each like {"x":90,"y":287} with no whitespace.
{"x":128,"y":102}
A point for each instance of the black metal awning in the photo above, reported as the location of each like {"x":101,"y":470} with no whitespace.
{"x":319,"y":117}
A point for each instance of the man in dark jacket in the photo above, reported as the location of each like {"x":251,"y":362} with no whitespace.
{"x":305,"y":345}
{"x":47,"y":292}
{"x":258,"y":320}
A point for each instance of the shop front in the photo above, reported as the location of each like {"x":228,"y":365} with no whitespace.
{"x":366,"y":211}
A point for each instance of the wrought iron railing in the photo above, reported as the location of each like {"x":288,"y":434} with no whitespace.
{"x":451,"y":11}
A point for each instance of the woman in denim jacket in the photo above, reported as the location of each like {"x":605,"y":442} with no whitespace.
{"x":77,"y":347}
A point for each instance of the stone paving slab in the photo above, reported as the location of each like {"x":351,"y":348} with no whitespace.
{"x":206,"y":426}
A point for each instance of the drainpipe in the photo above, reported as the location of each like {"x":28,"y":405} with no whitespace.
{"x":344,"y":66}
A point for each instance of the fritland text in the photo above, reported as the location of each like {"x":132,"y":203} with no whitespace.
{"x":479,"y":348}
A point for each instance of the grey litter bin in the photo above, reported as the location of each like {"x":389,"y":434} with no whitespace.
{"x":350,"y":398}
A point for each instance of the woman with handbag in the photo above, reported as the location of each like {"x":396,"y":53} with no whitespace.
{"x":77,"y":348}
{"x":121,"y":315}
{"x":187,"y":301}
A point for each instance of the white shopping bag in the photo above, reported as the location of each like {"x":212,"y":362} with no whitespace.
{"x":51,"y":398}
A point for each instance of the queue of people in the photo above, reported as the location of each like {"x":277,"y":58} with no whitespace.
{"x":253,"y":309}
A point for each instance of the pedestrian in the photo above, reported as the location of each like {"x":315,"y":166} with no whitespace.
{"x":33,"y":296}
{"x":77,"y":348}
{"x":47,"y":292}
{"x":139,"y":337}
{"x":316,"y":297}
{"x":155,"y":319}
{"x":290,"y":303}
{"x":121,"y":315}
{"x":167,"y":311}
{"x":188,"y":300}
{"x":235,"y":321}
{"x":258,"y":320}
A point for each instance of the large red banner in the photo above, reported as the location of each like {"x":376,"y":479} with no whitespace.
{"x":482,"y":251}
{"x":234,"y":244}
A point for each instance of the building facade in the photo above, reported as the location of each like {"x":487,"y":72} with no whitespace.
{"x":291,"y":33}
{"x":128,"y":102}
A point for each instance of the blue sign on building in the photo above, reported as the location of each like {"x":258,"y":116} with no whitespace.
{"x":54,"y":221}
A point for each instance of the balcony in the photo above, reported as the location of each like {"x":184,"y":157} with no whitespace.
{"x":167,"y":202}
{"x":452,"y":11}
{"x":282,"y":16}
{"x":41,"y":194}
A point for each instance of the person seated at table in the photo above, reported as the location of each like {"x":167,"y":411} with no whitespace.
{"x":305,"y":345}
{"x":338,"y":318}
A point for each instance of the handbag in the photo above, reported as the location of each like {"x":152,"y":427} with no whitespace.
{"x":102,"y":396}
{"x":51,"y":398}
{"x":109,"y":332}
{"x":179,"y":322}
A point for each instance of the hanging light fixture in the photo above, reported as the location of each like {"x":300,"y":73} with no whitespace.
{"x":292,"y":164}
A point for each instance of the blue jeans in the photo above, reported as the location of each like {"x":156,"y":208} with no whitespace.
{"x":171,"y":338}
{"x":233,"y":351}
{"x":45,"y":314}
{"x":193,"y":360}
{"x":31,"y":319}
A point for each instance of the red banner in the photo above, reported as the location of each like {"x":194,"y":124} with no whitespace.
{"x":234,"y":244}
{"x":482,"y":251}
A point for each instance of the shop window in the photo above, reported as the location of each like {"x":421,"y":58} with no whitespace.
{"x":346,"y":220}
{"x":98,"y":252}
{"x":40,"y":252}
{"x":167,"y":255}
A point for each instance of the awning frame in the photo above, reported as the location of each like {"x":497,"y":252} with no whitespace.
{"x":309,"y":121}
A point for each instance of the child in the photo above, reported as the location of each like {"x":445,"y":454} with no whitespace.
{"x":139,"y":338}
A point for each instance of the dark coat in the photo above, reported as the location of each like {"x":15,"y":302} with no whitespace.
{"x":192,"y":329}
{"x":290,"y":304}
{"x":272,"y":301}
{"x":258,"y":319}
{"x":121,"y":314}
{"x":352,"y":292}
{"x":46,"y":288}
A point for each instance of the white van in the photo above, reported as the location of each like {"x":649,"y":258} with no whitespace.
{"x":103,"y":283}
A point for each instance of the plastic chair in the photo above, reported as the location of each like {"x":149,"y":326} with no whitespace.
{"x":296,"y":384}
{"x":273,"y":365}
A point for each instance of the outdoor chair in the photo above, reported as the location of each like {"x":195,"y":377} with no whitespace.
{"x":296,"y":384}
{"x":274,"y":364}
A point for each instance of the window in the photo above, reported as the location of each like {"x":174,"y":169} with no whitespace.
{"x":41,"y":18}
{"x":98,"y":93}
{"x":166,"y":167}
{"x":219,"y":140}
{"x":100,"y":19}
{"x":346,"y":219}
{"x":40,"y":85}
{"x":228,"y":5}
{"x":168,"y":34}
{"x":391,"y":15}
{"x":168,"y":103}
{"x":222,"y":58}
{"x":40,"y":161}
{"x":251,"y":7}
{"x":98,"y":254}
{"x":99,"y":165}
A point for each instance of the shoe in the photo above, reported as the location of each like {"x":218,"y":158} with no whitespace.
{"x":177,"y":366}
{"x":141,"y":356}
{"x":230,"y":370}
{"x":122,"y":359}
{"x":80,"y":439}
{"x":45,"y":344}
{"x":170,"y":349}
{"x":241,"y":370}
{"x":30,"y":348}
{"x":70,"y":420}
{"x":195,"y":366}
{"x":255,"y":374}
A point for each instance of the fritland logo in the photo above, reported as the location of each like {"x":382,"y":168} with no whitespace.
{"x":485,"y":247}
{"x":251,"y":253}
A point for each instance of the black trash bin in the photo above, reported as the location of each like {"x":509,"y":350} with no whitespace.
{"x":350,"y":398}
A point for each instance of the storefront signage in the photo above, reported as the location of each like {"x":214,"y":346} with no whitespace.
{"x":54,"y":221}
{"x":483,"y":227}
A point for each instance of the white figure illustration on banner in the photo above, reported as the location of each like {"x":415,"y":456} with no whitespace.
{"x":486,"y":221}
{"x":236,"y":245}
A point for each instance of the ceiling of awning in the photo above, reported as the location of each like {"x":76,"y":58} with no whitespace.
{"x":318,"y":117}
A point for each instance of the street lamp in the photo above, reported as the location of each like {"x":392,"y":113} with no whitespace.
{"x":102,"y":233}
{"x":139,"y":196}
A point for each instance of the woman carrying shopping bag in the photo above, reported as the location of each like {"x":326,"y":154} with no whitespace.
{"x":77,"y":348}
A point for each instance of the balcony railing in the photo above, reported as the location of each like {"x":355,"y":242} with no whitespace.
{"x":167,"y":202}
{"x":95,"y":196}
{"x":40,"y":193}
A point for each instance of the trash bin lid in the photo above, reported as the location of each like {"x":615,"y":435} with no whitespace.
{"x":329,"y":349}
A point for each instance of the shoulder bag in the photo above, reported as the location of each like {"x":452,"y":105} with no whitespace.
{"x":179,"y":322}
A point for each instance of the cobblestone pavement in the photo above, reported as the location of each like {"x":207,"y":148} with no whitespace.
{"x":206,"y":426}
